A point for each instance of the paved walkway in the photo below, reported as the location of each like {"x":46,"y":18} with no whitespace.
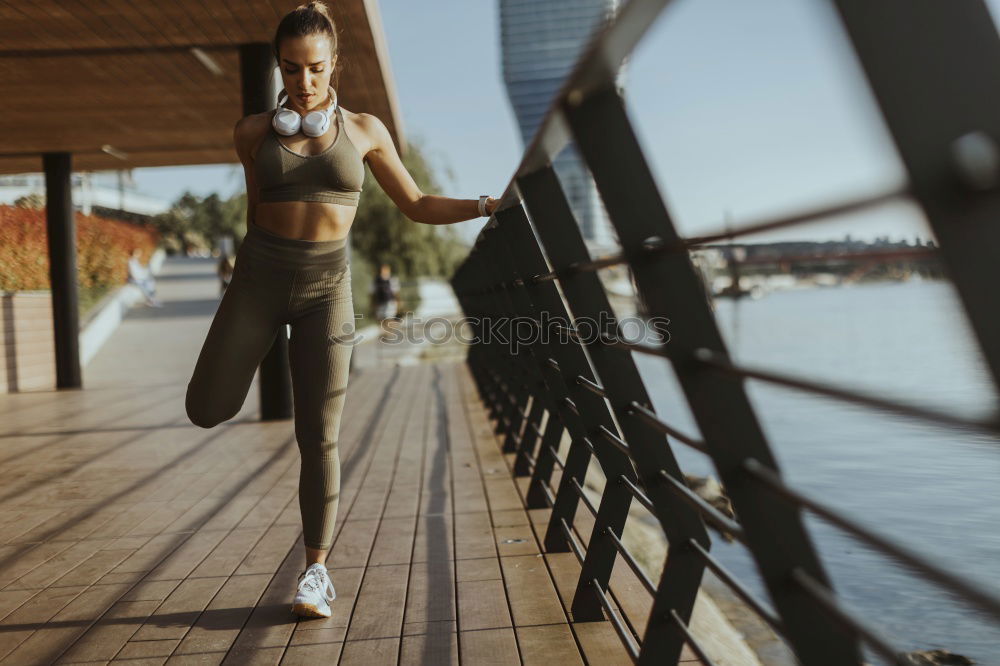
{"x":130,"y":535}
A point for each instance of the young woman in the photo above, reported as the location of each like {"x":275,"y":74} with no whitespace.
{"x":304,"y":172}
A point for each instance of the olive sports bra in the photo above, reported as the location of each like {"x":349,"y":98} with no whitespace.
{"x":333,"y":176}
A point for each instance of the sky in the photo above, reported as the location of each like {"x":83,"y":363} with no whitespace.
{"x":744,"y":110}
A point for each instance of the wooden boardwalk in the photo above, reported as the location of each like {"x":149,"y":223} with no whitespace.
{"x":130,"y":535}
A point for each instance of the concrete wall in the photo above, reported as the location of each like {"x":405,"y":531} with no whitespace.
{"x":28,"y":341}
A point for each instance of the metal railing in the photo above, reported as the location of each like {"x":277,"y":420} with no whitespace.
{"x":944,"y":127}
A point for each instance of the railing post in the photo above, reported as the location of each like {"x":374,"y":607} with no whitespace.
{"x":619,"y":377}
{"x":526,"y":447}
{"x":499,"y":366}
{"x":495,"y":367}
{"x":952,"y":155}
{"x":523,"y":378}
{"x":559,"y":413}
{"x":528,"y":262}
{"x":544,"y":463}
{"x":511,"y":305}
{"x":594,"y":413}
{"x":671,"y":286}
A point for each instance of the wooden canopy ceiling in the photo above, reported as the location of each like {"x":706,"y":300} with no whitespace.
{"x":158,"y":82}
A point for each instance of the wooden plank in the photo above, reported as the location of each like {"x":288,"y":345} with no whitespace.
{"x":502,"y":493}
{"x":482,"y":604}
{"x":307,"y":654}
{"x":565,"y":571}
{"x":469,"y":494}
{"x":429,"y":628}
{"x":11,"y":599}
{"x":73,"y":620}
{"x":150,"y":652}
{"x":485,"y":568}
{"x":18,"y":626}
{"x":353,"y":544}
{"x":268,"y":553}
{"x":437,"y":643}
{"x":546,"y":644}
{"x":431,"y":592}
{"x":217,"y":627}
{"x":110,"y":633}
{"x":378,"y":612}
{"x":533,"y":598}
{"x":41,"y":577}
{"x":497,"y":647}
{"x":179,"y":610}
{"x":474,"y":536}
{"x":518,"y":540}
{"x":510,"y":517}
{"x":403,"y":496}
{"x":79,"y":411}
{"x":394,"y":542}
{"x":94,"y":567}
{"x":371,"y":652}
{"x":382,"y":600}
{"x":434,"y":540}
{"x":600,"y":644}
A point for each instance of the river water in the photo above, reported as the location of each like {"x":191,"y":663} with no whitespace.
{"x":936,"y":490}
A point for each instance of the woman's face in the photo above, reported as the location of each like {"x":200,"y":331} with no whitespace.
{"x":306,"y":66}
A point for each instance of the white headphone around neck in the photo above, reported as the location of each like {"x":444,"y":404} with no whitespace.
{"x":315,"y":123}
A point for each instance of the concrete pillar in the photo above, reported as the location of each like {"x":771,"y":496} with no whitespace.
{"x":256,"y":68}
{"x":61,"y":229}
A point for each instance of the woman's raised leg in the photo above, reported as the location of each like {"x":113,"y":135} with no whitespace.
{"x":245,"y":325}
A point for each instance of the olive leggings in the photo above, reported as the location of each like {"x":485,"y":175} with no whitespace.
{"x":306,"y":284}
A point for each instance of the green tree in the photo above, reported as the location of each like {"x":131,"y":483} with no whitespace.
{"x":381,"y":233}
{"x":234,"y":215}
{"x":205,"y":219}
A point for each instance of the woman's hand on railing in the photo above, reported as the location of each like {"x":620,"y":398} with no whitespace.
{"x":490,"y":205}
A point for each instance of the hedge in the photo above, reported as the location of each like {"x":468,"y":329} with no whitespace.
{"x":103,"y":247}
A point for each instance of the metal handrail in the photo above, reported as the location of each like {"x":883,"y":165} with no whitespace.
{"x":592,"y":390}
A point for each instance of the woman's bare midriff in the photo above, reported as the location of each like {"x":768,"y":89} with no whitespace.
{"x":305,"y":220}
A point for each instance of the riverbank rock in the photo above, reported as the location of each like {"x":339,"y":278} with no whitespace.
{"x":710,"y":490}
{"x":934,"y":658}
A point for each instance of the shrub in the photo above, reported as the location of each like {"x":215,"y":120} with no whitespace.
{"x":102,"y":249}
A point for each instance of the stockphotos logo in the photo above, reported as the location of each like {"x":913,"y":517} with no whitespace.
{"x":518,"y":332}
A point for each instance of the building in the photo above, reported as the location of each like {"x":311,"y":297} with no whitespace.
{"x":110,"y":190}
{"x":540,"y":41}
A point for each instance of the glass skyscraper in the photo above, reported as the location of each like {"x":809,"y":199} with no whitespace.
{"x":540,"y":41}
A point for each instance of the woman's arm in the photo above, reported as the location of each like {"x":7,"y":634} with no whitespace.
{"x":397,"y":182}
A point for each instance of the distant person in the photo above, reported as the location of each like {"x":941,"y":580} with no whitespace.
{"x":384,"y":293}
{"x":141,"y":277}
{"x":305,"y":163}
{"x":225,"y":270}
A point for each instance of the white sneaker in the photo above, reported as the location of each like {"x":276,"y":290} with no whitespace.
{"x":315,"y":592}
